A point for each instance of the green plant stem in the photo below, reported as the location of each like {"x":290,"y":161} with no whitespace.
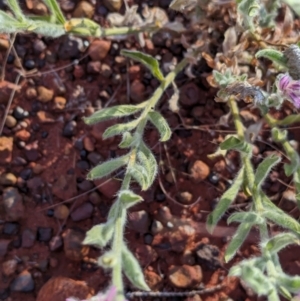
{"x":114,"y":31}
{"x":236,"y":117}
{"x":121,"y":213}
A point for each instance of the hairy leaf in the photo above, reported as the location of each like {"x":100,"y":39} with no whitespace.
{"x":273,"y":55}
{"x":282,"y":219}
{"x":139,"y":173}
{"x":128,"y":198}
{"x":233,"y":142}
{"x":99,"y":235}
{"x":278,"y":135}
{"x":126,"y":141}
{"x":147,"y":60}
{"x":55,"y":11}
{"x":112,"y":112}
{"x":161,"y":124}
{"x":257,"y":280}
{"x":225,"y":201}
{"x":120,"y":128}
{"x":245,"y":217}
{"x":264,"y":169}
{"x":150,"y":162}
{"x":15,"y":8}
{"x":46,"y":29}
{"x":294,"y":118}
{"x":291,"y":283}
{"x":237,"y":240}
{"x":133,"y":270}
{"x":107,"y":168}
{"x":280,"y":241}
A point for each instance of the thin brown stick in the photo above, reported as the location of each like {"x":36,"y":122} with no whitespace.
{"x":175,"y":294}
{"x":11,"y":43}
{"x":11,"y":97}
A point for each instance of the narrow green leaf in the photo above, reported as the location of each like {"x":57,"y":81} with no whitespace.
{"x":227,"y":198}
{"x":264,"y":169}
{"x":139,"y":173}
{"x":147,"y":60}
{"x":128,"y":198}
{"x":133,"y":270}
{"x":237,"y":240}
{"x":161,"y":124}
{"x":282,"y":219}
{"x":245,"y":217}
{"x":280,"y":241}
{"x":296,"y":179}
{"x":16,"y":10}
{"x":257,"y":280}
{"x":233,"y":142}
{"x":291,"y":283}
{"x":99,"y":235}
{"x":107,"y":168}
{"x":55,"y":11}
{"x":120,"y":128}
{"x":47,"y":29}
{"x":150,"y":162}
{"x":284,"y":292}
{"x":111,"y":113}
{"x":230,"y":143}
{"x":273,"y":55}
{"x":127,"y":140}
{"x":294,"y":118}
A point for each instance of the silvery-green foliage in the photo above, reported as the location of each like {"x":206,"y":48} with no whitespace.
{"x":133,"y":270}
{"x":273,"y":55}
{"x":249,"y":12}
{"x":54,"y":25}
{"x":139,"y":164}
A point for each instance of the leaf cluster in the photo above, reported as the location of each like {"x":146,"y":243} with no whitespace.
{"x":53,"y":25}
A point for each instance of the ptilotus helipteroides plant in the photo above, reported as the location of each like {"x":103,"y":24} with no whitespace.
{"x":263,"y":274}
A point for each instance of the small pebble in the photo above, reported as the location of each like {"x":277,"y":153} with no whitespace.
{"x":11,"y":228}
{"x":19,"y":113}
{"x":10,"y":121}
{"x":82,"y":212}
{"x":13,"y":204}
{"x":199,"y":171}
{"x":23,"y":283}
{"x":185,"y":276}
{"x":70,"y":129}
{"x":61,"y":212}
{"x":99,"y":49}
{"x":9,"y":267}
{"x":44,"y":234}
{"x":44,"y":94}
{"x":84,"y":10}
{"x":29,"y":64}
{"x":185,"y":198}
{"x":8,"y":179}
{"x":139,"y":221}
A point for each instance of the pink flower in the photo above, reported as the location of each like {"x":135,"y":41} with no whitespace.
{"x":110,"y":295}
{"x":290,"y":89}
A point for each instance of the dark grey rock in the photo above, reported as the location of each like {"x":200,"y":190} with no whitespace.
{"x":23,"y":283}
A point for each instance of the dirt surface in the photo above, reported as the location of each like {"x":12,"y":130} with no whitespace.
{"x":46,"y":151}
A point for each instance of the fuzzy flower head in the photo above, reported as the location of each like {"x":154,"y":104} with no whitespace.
{"x":110,"y":295}
{"x":289,"y":89}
